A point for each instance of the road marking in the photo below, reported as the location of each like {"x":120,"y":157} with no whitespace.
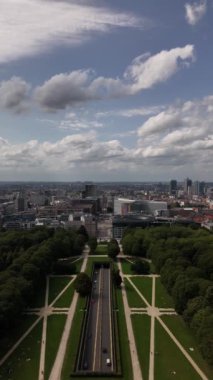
{"x":100,"y":321}
{"x":96,"y":327}
{"x":110,"y":320}
{"x":152,"y":335}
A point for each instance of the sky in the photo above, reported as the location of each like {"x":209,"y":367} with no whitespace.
{"x":94,"y":90}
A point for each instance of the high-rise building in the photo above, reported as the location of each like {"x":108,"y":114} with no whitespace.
{"x":198,"y":188}
{"x":173,"y":187}
{"x":187,"y":186}
{"x":90,"y":191}
{"x":20,"y":202}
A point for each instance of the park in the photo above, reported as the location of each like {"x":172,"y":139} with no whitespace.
{"x":136,"y":332}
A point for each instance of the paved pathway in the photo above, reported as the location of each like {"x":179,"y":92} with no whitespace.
{"x":137,"y":375}
{"x":152,"y":334}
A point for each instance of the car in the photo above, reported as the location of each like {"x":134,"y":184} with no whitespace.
{"x":85,"y":366}
{"x":108,"y":362}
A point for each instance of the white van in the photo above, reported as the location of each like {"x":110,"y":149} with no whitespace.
{"x":108,"y":362}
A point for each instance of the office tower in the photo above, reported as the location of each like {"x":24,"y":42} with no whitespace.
{"x":187,"y":186}
{"x":198,"y":188}
{"x":173,"y":187}
{"x":90,"y":191}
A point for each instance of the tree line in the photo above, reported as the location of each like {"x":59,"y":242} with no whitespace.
{"x":26,"y":257}
{"x":184,"y":258}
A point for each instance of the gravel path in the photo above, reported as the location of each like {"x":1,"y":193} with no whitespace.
{"x":137,"y":375}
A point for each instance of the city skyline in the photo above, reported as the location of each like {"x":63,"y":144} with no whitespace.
{"x":106,"y":91}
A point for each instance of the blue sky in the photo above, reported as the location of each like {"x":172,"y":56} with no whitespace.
{"x":106,"y":90}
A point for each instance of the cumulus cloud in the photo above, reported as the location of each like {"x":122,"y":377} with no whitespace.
{"x":181,"y":134}
{"x":68,"y":89}
{"x":78,"y":150}
{"x":164,"y":120}
{"x":180,"y":139}
{"x":195,"y":11}
{"x":14,"y":94}
{"x":145,"y":71}
{"x":42,"y":24}
{"x":64,"y":90}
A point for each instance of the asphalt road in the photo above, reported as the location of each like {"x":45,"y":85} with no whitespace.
{"x":97,"y":346}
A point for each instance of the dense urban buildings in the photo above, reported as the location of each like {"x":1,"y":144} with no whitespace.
{"x":99,"y":207}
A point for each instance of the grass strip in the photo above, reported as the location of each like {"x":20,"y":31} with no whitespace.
{"x":124,"y":341}
{"x":55,"y":325}
{"x":170,"y":363}
{"x":72,"y":346}
{"x":126,"y":266}
{"x":7,"y":342}
{"x":144,"y":285}
{"x":66,"y":298}
{"x":134,"y":299}
{"x":24,"y":362}
{"x":141,"y":327}
{"x":162,"y":298}
{"x":56,"y":285}
{"x":180,"y":330}
{"x":101,"y":249}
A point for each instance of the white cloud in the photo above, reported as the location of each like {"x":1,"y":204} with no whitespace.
{"x":14,"y":94}
{"x":145,"y":71}
{"x":195,"y":11}
{"x":68,"y":89}
{"x":78,"y":150}
{"x":131,"y":112}
{"x":180,"y":141}
{"x":180,"y":135}
{"x":64,"y":90}
{"x":28,"y":27}
{"x":163,"y":121}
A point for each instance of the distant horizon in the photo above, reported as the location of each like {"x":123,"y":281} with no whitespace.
{"x":97,"y":182}
{"x":109,"y":90}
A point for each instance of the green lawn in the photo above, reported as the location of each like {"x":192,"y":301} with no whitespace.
{"x":78,"y":264}
{"x":66,"y":298}
{"x":56,"y":285}
{"x":162,"y":299}
{"x":126,"y":266}
{"x":15,"y":334}
{"x":141,"y":328}
{"x":101,"y":249}
{"x":24,"y":362}
{"x":38,"y":299}
{"x":178,"y":327}
{"x":124,"y":343}
{"x":55,"y":325}
{"x":169,"y":359}
{"x":72,"y":347}
{"x":144,"y":285}
{"x":134,"y":300}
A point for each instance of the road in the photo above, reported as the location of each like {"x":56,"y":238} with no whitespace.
{"x":97,"y":345}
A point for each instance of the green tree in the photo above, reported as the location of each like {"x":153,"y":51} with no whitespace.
{"x":140,"y":267}
{"x":92,"y":243}
{"x":113,"y":249}
{"x":83,"y":284}
{"x":116,"y":277}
